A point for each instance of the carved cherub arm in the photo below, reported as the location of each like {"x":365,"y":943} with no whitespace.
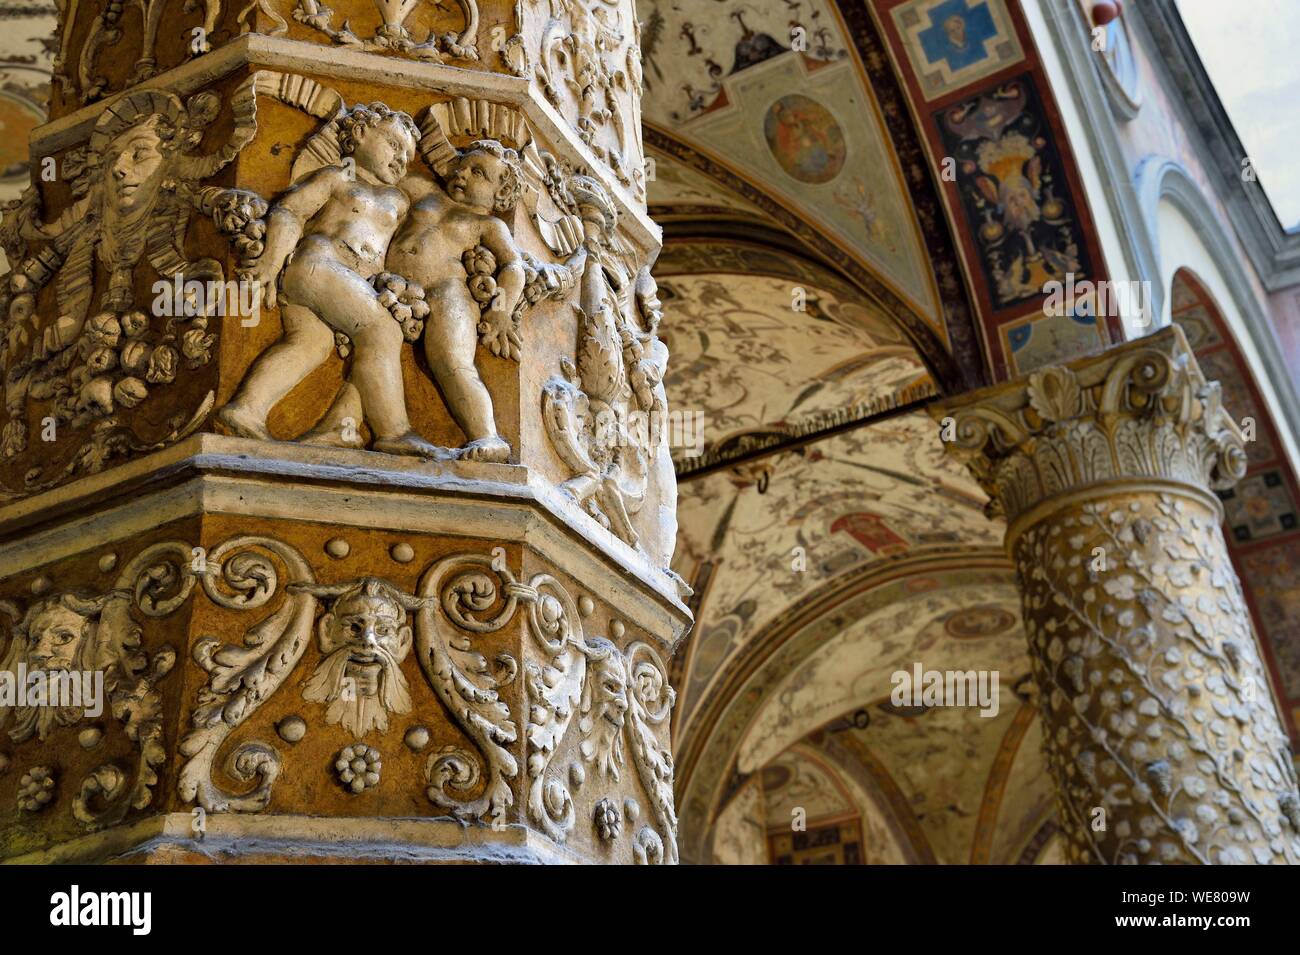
{"x":285,"y":222}
{"x":510,"y":277}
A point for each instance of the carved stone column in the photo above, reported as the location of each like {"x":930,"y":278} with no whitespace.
{"x":335,"y":441}
{"x":1159,"y":726}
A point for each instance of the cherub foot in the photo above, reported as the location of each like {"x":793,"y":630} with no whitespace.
{"x":409,"y":444}
{"x":333,"y":436}
{"x":243,"y":424}
{"x":493,"y":448}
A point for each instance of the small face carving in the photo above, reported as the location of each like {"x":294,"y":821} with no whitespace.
{"x":134,"y":164}
{"x":609,"y":690}
{"x":363,"y":641}
{"x":384,"y":150}
{"x":371,"y":631}
{"x":476,"y":178}
{"x":55,"y":638}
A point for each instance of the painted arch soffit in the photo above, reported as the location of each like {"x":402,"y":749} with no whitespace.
{"x":761,"y":358}
{"x":958,"y":609}
{"x":972,"y":625}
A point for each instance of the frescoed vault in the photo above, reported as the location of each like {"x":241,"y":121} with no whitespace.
{"x":823,"y":279}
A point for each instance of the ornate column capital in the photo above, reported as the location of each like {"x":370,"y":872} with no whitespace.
{"x":1157,"y":721}
{"x":1140,"y":412}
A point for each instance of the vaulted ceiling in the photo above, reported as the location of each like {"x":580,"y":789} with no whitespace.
{"x":822,"y":284}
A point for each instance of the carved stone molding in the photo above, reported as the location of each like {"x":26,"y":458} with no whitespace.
{"x":1159,"y":727}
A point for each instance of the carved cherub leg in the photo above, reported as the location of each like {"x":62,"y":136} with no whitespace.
{"x":304,"y":346}
{"x":450,"y":340}
{"x":348,"y":303}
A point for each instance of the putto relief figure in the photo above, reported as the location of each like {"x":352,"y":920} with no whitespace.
{"x":363,"y":252}
{"x":326,"y":240}
{"x":444,"y":228}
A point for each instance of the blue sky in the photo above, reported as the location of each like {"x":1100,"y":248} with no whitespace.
{"x":1251,"y":50}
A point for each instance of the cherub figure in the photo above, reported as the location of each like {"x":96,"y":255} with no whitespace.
{"x":326,"y":238}
{"x":440,"y":229}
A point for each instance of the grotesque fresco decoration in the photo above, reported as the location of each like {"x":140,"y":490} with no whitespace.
{"x":1036,"y":341}
{"x":776,"y":91}
{"x":689,"y":53}
{"x":853,"y":356}
{"x":1013,"y":192}
{"x":757,"y":522}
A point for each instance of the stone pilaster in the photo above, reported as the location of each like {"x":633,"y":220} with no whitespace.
{"x":1160,"y":729}
{"x":335,"y":441}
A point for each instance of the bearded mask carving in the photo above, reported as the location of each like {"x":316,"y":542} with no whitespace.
{"x":363,"y":640}
{"x":604,"y":707}
{"x":56,"y":634}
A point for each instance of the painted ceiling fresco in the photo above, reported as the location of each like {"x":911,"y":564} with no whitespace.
{"x":773,"y":93}
{"x":675,"y":189}
{"x":938,"y":785}
{"x":25,"y":65}
{"x":844,"y":502}
{"x":752,"y":363}
{"x":854,"y":668}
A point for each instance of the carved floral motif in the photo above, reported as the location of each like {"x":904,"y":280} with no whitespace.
{"x":621,"y":695}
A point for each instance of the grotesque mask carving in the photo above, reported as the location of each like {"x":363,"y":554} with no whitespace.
{"x":363,"y":640}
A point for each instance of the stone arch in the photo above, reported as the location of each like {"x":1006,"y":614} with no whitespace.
{"x":1262,"y":512}
{"x":1190,"y":234}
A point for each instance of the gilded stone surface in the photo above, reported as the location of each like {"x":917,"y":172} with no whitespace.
{"x":1159,"y":726}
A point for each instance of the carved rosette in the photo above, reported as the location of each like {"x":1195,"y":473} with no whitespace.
{"x":1159,"y":726}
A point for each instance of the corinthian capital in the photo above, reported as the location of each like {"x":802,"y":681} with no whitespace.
{"x":1140,"y":412}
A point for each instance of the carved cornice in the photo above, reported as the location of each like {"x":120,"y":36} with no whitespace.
{"x":1142,"y":411}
